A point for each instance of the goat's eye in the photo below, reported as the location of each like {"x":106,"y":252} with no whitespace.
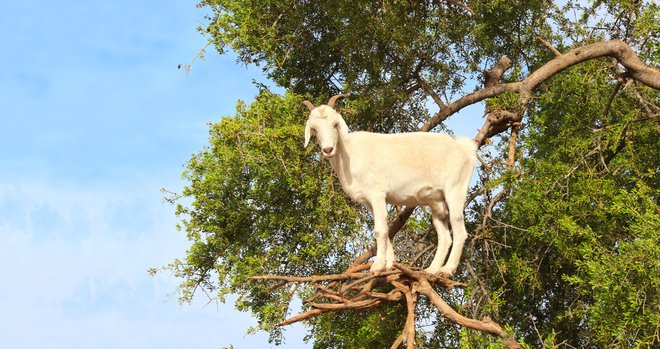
{"x":336,"y":125}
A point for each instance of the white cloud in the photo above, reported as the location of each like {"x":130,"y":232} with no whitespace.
{"x":73,"y":262}
{"x":97,"y":118}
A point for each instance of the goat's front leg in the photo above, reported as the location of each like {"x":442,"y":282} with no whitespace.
{"x":384,"y":251}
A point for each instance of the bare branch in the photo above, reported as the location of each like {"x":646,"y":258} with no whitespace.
{"x":200,"y":54}
{"x":515,"y":128}
{"x":487,"y":325}
{"x":353,"y":291}
{"x":463,"y":6}
{"x":549,"y":46}
{"x":408,"y":334}
{"x":617,"y":49}
{"x":496,"y":122}
{"x":493,"y":76}
{"x":414,"y":87}
{"x":489,"y":210}
{"x":302,"y":316}
{"x":433,"y":94}
{"x":353,"y":305}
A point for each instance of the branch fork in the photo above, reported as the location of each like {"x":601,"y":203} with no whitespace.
{"x":358,"y":289}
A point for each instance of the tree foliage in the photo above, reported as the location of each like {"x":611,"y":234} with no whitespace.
{"x":581,"y":226}
{"x":261,"y":204}
{"x":564,"y":241}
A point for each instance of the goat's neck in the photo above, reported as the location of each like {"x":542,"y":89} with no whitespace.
{"x":341,"y":162}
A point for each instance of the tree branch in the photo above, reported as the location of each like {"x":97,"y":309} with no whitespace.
{"x":487,"y":325}
{"x":617,"y":49}
{"x":354,"y":291}
{"x":461,"y":5}
{"x":610,"y":99}
{"x":408,"y":334}
{"x":493,"y":76}
{"x":433,"y":94}
{"x":549,"y":46}
{"x":500,"y":120}
{"x":515,"y":128}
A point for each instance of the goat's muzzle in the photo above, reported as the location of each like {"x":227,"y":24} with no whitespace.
{"x":328,"y":152}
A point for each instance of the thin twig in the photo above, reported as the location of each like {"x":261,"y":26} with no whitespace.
{"x":200,"y":54}
{"x":549,"y":46}
{"x":433,"y":94}
{"x":463,"y":6}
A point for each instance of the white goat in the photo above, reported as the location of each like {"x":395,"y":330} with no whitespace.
{"x":417,"y":169}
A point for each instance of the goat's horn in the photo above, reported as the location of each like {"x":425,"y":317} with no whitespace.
{"x":331,"y":102}
{"x":308,"y":104}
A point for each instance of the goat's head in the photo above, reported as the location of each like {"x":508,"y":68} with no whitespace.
{"x":327,"y":124}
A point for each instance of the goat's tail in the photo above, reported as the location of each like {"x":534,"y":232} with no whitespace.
{"x":470,"y":148}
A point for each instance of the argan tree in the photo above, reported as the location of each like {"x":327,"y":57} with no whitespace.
{"x":564,"y":217}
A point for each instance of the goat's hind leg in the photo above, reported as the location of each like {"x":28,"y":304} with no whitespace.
{"x":440,"y":218}
{"x":455,"y":202}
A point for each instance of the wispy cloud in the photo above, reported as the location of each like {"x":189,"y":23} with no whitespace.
{"x":74,"y":260}
{"x":95,"y":120}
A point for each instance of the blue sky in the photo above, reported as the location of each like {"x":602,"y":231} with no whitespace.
{"x":95,"y":119}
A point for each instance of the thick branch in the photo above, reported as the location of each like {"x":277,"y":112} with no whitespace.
{"x":493,"y":76}
{"x":486,"y":325}
{"x":353,"y":305}
{"x":497,"y":121}
{"x":615,"y":48}
{"x":408,"y":334}
{"x":353,"y":291}
{"x":512,"y":145}
{"x":434,"y":279}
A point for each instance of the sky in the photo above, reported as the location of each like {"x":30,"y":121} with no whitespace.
{"x":95,"y":118}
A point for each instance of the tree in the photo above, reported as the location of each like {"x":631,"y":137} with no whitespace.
{"x":564,"y":219}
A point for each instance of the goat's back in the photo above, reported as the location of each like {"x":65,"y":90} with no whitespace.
{"x":412,"y":168}
{"x":411,"y":149}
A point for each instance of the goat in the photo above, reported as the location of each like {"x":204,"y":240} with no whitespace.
{"x":418,"y":168}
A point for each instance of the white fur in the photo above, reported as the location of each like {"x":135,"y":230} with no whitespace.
{"x":412,"y":169}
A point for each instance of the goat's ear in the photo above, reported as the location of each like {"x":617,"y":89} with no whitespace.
{"x":308,"y":133}
{"x":343,"y":128}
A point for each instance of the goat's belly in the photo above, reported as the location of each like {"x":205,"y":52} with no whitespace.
{"x":422,"y":196}
{"x":356,"y":195}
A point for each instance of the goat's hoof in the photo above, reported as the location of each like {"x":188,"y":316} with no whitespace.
{"x":432,"y":271}
{"x":447,"y":271}
{"x":378,"y":266}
